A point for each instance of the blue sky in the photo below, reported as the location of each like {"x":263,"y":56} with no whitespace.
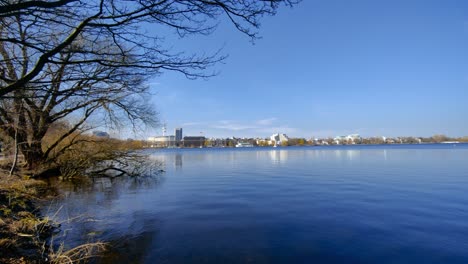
{"x":327,"y":68}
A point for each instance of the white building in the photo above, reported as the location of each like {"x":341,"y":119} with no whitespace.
{"x":278,"y":139}
{"x":339,"y":139}
{"x":349,"y":139}
{"x":162,"y":141}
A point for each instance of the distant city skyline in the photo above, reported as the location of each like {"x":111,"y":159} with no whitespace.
{"x":329,"y":68}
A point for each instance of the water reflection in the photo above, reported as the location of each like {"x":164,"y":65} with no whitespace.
{"x":88,"y":209}
{"x":178,"y":161}
{"x":347,"y":154}
{"x":284,"y":205}
{"x":278,"y":156}
{"x":131,"y":248}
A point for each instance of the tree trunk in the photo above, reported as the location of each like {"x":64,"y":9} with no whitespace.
{"x":15,"y":160}
{"x":33,"y":155}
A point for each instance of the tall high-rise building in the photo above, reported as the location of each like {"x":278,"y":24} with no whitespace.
{"x":178,"y":134}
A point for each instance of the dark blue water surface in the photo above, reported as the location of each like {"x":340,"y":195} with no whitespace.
{"x":337,"y":204}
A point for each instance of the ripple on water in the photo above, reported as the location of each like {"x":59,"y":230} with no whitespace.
{"x":370,"y":204}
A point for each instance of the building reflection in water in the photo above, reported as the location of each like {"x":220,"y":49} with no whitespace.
{"x":216,"y":158}
{"x":348,"y":154}
{"x":353,"y":154}
{"x":278,"y":156}
{"x":178,"y":161}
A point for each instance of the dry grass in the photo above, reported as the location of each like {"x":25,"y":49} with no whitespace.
{"x":23,"y":232}
{"x":79,"y":254}
{"x":21,"y":228}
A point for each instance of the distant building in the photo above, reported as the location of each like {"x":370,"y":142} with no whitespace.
{"x":193,"y":142}
{"x":262,"y":142}
{"x":349,"y":139}
{"x":162,"y":141}
{"x":219,"y":142}
{"x":317,"y":141}
{"x":178,"y":134}
{"x":100,"y":134}
{"x":278,"y":139}
{"x":353,"y":138}
{"x":339,"y":140}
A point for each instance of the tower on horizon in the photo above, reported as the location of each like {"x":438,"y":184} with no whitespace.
{"x":178,"y":134}
{"x":164,"y":129}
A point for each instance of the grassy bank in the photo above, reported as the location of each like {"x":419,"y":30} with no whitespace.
{"x":23,"y":231}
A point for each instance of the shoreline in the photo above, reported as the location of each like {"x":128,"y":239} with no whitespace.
{"x":27,"y":235}
{"x":446,"y":144}
{"x":24,"y":231}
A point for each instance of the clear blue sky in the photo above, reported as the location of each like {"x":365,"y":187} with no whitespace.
{"x":327,"y":68}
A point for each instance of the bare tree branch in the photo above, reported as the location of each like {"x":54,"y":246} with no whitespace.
{"x":72,"y":60}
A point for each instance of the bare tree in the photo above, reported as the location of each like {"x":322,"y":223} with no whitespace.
{"x":73,"y":91}
{"x":67,"y":21}
{"x":69,"y":58}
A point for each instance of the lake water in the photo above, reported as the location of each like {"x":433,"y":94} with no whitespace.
{"x":336,"y":204}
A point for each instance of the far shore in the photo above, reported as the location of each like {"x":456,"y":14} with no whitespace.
{"x":326,"y":145}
